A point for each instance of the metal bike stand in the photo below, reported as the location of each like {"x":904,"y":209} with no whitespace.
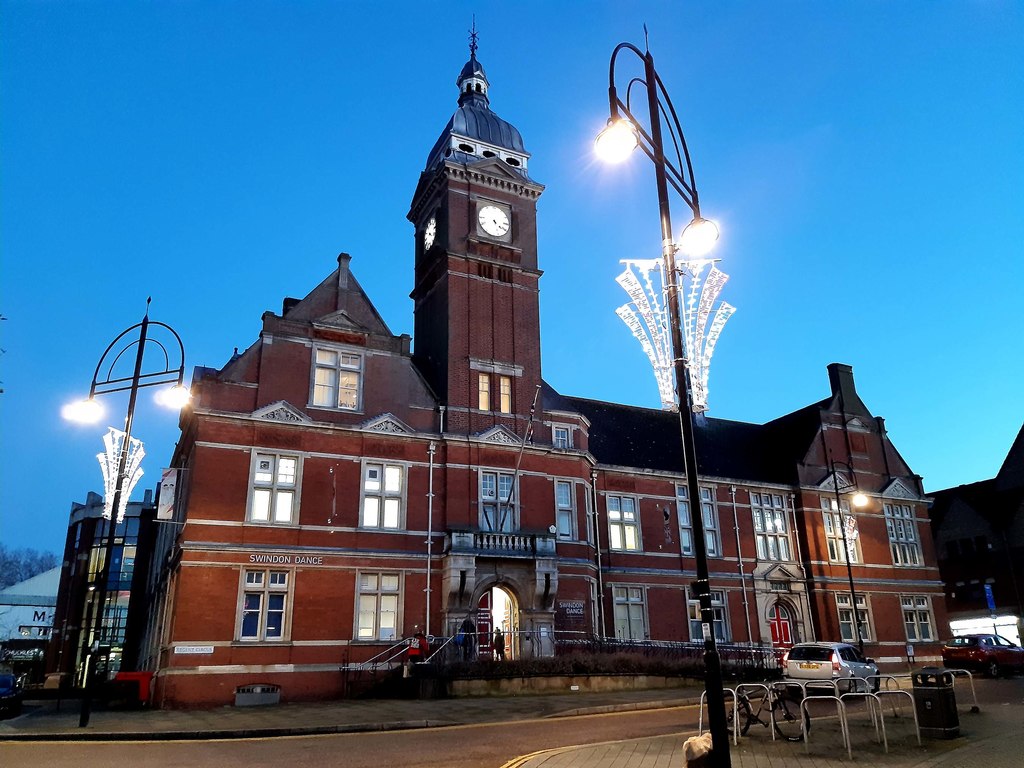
{"x":877,"y":721}
{"x":843,"y":725}
{"x":735,"y":714}
{"x":975,"y":709}
{"x":913,"y":708}
{"x":771,"y":711}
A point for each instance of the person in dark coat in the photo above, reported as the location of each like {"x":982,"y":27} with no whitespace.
{"x":499,"y":644}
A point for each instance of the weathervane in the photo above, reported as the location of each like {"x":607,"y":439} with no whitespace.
{"x":473,"y":38}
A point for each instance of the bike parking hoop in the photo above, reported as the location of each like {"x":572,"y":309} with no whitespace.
{"x":740,"y":691}
{"x":877,"y":718}
{"x":975,"y":709}
{"x":843,"y":724}
{"x":735,"y":714}
{"x":886,"y":693}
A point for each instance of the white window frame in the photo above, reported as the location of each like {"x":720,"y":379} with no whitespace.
{"x":382,"y":507}
{"x":918,"y":620}
{"x":565,"y":509}
{"x":504,"y":394}
{"x":831,"y":522}
{"x":328,"y":394}
{"x":712,"y":537}
{"x":561,"y":437}
{"x":624,"y":533}
{"x":771,"y":526}
{"x":493,"y":483}
{"x":276,"y":486}
{"x":904,"y":543}
{"x":847,"y":632}
{"x":629,"y":611}
{"x":720,"y":621}
{"x":271,"y":588}
{"x":378,"y":610}
{"x":483,"y":391}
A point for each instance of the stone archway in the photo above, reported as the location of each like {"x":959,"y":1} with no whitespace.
{"x":497,"y":608}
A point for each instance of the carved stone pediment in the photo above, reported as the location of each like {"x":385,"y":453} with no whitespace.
{"x":389,"y":423}
{"x":779,"y":572}
{"x":500,"y":434}
{"x":898,"y":489}
{"x":283,"y":411}
{"x":339,"y":320}
{"x":846,"y":483}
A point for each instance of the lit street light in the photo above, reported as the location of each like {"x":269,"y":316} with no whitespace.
{"x":857,"y":500}
{"x":90,"y":411}
{"x":623,"y":134}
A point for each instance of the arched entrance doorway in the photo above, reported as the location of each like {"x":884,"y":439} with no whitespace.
{"x":497,"y":609}
{"x":780,"y":623}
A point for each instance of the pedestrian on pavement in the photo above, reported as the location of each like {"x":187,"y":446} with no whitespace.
{"x":499,"y":644}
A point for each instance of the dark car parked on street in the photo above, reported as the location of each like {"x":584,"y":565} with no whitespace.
{"x":10,"y":695}
{"x":991,"y":654}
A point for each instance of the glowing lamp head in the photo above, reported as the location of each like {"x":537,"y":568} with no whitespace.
{"x":699,"y":237}
{"x":87,"y":411}
{"x":175,"y":397}
{"x":617,"y":141}
{"x":860,"y":500}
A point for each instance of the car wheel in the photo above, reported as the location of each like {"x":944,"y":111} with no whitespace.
{"x":991,"y":668}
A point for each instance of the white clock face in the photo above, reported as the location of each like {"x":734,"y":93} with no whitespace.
{"x":429,"y":233}
{"x":493,"y":220}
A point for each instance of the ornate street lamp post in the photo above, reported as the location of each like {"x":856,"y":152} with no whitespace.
{"x":105,"y":381}
{"x":857,"y":500}
{"x":623,"y":134}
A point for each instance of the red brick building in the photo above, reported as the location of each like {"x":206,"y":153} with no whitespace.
{"x":316,"y":466}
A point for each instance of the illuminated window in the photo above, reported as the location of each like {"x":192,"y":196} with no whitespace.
{"x":563,"y":509}
{"x":902,"y":529}
{"x":836,"y":525}
{"x":710,"y":520}
{"x":505,"y":393}
{"x":623,"y":524}
{"x":771,"y":531}
{"x":377,"y":614}
{"x":264,"y":605}
{"x":383,"y":496}
{"x":847,"y":632}
{"x":483,"y":385}
{"x":630,"y":610}
{"x":274,"y":489}
{"x":337,"y":379}
{"x":917,"y":618}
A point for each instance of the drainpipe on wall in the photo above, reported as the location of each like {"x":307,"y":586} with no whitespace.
{"x":430,"y":527}
{"x":739,"y":564}
{"x":597,"y":547}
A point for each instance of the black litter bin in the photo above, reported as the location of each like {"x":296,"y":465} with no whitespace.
{"x":936,"y":703}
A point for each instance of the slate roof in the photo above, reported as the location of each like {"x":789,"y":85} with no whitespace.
{"x":647,"y":438}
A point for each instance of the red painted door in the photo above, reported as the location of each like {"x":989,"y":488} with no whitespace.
{"x":781,"y":626}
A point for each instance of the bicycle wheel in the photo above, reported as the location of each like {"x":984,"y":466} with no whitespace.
{"x":787,"y":718}
{"x":742,"y":712}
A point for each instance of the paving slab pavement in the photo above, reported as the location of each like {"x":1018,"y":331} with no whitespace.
{"x":989,"y":739}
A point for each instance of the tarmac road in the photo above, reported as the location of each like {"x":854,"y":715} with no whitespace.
{"x":463,"y":746}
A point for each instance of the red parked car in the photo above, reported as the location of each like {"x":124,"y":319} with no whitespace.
{"x":991,"y":654}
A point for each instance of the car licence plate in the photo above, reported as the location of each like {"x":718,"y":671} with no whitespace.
{"x":808,"y":665}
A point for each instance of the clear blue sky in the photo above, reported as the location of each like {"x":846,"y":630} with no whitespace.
{"x":865,"y":161}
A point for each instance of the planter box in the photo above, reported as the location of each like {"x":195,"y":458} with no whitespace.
{"x":515,"y":686}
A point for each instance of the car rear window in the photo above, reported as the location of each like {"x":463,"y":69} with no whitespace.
{"x":810,"y":653}
{"x":960,"y":642}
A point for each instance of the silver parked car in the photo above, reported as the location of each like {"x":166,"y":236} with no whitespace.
{"x":829,"y":661}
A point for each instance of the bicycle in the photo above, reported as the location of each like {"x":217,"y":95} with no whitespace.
{"x":783,"y":710}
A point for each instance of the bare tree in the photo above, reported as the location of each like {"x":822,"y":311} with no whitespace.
{"x":16,"y":565}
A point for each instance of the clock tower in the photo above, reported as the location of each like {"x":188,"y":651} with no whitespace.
{"x":477,"y":313}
